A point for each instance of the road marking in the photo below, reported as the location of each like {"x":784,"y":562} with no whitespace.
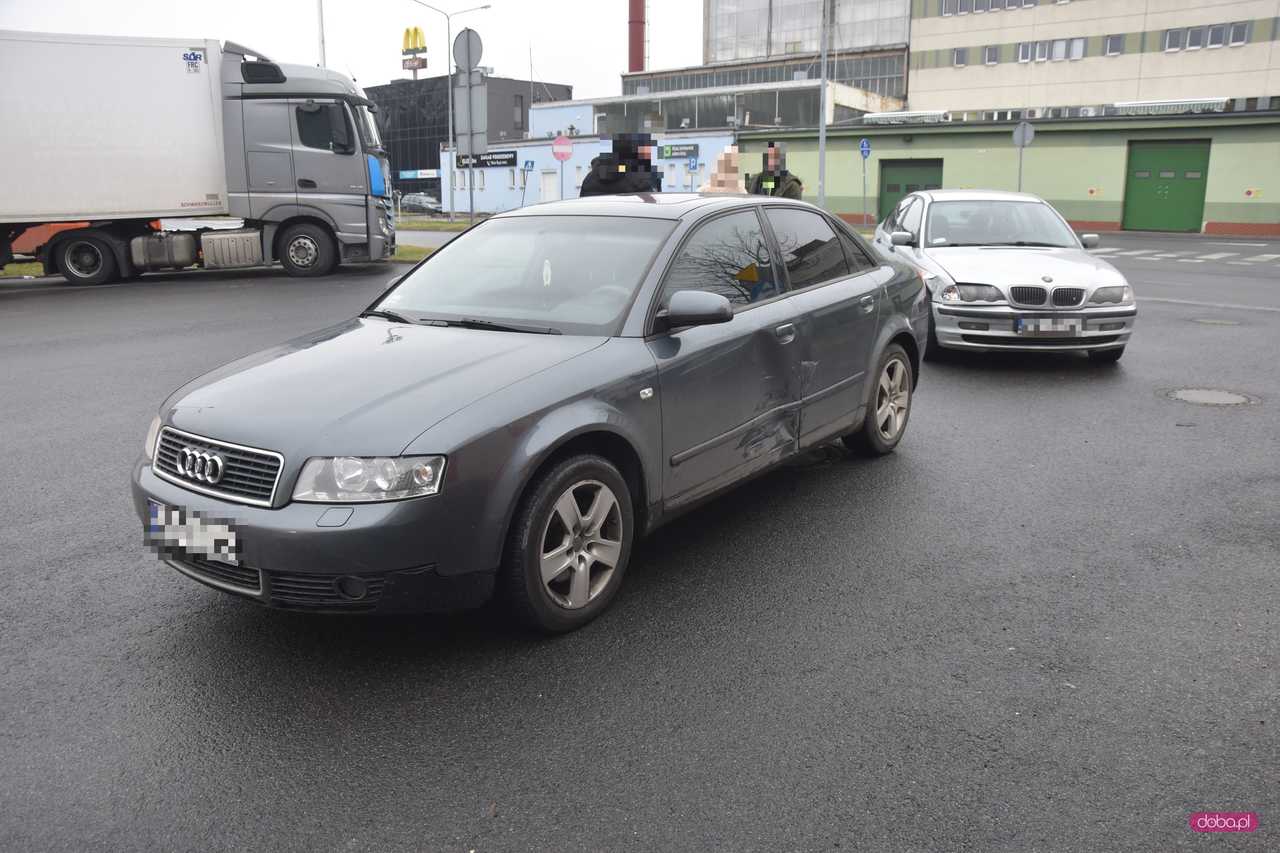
{"x":1263,"y":258}
{"x":1217,"y":256}
{"x":1104,"y":250}
{"x":1190,"y":261}
{"x":1135,"y":252}
{"x":1211,"y":243}
{"x":1230,"y":305}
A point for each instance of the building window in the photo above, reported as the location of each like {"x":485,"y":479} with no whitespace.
{"x":1076,"y":48}
{"x":1027,"y":4}
{"x":511,"y":178}
{"x":990,"y":55}
{"x":1042,"y":51}
{"x":1113,"y":45}
{"x":1058,"y":50}
{"x":1217,"y":35}
{"x":517,"y":110}
{"x":966,"y":6}
{"x":960,"y":57}
{"x":1195,"y":38}
{"x":1024,"y":51}
{"x":981,"y":5}
{"x":577,"y":177}
{"x":1012,"y":4}
{"x":1173,"y":39}
{"x":480,"y":179}
{"x":1239,"y":33}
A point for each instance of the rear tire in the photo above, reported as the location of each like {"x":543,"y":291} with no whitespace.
{"x":888,"y":406}
{"x":86,"y":260}
{"x":307,"y":250}
{"x":1106,"y":356}
{"x":573,"y":521}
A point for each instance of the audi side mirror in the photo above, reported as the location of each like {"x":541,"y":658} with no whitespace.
{"x":1089,"y":241}
{"x":694,"y":308}
{"x":902,"y":238}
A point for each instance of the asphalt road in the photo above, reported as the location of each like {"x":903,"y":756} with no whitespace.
{"x":1048,"y":622}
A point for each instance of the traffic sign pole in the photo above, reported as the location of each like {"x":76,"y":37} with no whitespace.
{"x":864,"y":148}
{"x":1022,"y":136}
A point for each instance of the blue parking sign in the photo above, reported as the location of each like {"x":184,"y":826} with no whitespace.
{"x":693,"y":164}
{"x":864,"y":145}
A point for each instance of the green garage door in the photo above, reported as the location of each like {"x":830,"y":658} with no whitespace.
{"x":899,"y":177}
{"x":1164,"y":187}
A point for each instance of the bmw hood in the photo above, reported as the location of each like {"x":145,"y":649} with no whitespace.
{"x":1004,"y":266}
{"x":365,"y":387}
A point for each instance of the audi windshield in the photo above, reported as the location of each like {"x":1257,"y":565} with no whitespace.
{"x":574,"y":275}
{"x":996,"y":223}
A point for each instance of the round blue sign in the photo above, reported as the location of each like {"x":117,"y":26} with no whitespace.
{"x":864,"y":145}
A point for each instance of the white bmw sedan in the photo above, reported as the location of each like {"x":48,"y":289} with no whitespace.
{"x":1006,"y":272}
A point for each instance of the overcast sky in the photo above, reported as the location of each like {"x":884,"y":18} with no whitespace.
{"x":579,"y":42}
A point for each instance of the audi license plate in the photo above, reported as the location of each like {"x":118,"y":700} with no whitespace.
{"x":180,"y":532}
{"x":1056,"y":326}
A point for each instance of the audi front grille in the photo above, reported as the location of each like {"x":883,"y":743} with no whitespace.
{"x":1027,"y":295}
{"x":241,"y":474}
{"x":1067,"y":297}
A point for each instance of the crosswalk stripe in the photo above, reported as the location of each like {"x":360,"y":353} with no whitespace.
{"x":1263,"y":258}
{"x":1217,"y":256}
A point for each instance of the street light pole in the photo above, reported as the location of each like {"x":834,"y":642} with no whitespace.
{"x":320,"y":14}
{"x":822,"y":114}
{"x":448,"y":64}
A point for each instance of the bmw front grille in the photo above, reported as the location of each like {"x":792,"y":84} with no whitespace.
{"x":217,"y":468}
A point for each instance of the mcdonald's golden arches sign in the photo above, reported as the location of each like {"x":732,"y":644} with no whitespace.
{"x":414,"y":41}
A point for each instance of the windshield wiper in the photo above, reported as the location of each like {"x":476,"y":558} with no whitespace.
{"x":386,"y":315}
{"x":489,"y":325}
{"x":1032,"y":243}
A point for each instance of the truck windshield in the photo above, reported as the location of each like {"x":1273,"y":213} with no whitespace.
{"x":576,"y":275}
{"x":368,"y":128}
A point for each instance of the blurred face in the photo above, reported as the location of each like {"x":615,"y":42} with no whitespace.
{"x":646,"y":152}
{"x":772,"y":159}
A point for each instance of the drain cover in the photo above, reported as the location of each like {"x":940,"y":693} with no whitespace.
{"x":1209,"y":321}
{"x":1210,"y":397}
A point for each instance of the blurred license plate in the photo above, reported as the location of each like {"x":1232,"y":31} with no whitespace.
{"x":1059,"y":326}
{"x":181,"y":532}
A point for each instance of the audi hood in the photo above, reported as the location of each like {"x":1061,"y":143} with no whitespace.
{"x":1004,"y":266}
{"x":366,"y":387}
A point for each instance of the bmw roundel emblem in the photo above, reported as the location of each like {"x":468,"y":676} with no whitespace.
{"x":1046,"y":278}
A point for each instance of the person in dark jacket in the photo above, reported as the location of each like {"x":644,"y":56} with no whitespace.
{"x":775,"y":179}
{"x":628,"y":169}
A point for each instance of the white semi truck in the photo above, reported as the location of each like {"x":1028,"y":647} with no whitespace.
{"x":123,"y":155}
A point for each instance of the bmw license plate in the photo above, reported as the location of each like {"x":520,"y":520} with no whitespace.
{"x":179,"y":532}
{"x":1055,"y":326}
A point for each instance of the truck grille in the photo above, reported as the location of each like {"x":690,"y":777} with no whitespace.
{"x":1066,"y":297}
{"x":245,"y":475}
{"x":1027,"y":295}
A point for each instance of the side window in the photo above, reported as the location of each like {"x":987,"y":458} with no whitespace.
{"x":727,"y":255}
{"x":911,"y":219}
{"x":810,"y":249}
{"x":858,"y":259}
{"x":324,"y":126}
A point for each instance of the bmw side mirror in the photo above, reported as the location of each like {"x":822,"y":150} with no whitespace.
{"x":1089,"y":240}
{"x":902,"y":238}
{"x":694,"y":308}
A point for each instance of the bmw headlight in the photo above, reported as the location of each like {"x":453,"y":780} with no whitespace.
{"x":1118,"y":295}
{"x":970,"y":293}
{"x":149,"y":449}
{"x":366,"y":479}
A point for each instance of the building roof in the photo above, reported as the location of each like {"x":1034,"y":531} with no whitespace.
{"x":783,"y":85}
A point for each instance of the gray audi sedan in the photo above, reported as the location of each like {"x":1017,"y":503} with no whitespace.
{"x":520,"y":407}
{"x":1006,"y":272}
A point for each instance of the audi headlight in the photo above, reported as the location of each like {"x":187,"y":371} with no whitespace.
{"x":366,"y":479}
{"x":1118,"y":295}
{"x":149,"y":449}
{"x":970,"y":293}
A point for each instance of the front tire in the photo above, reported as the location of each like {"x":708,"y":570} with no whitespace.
{"x":1106,"y":356}
{"x":307,"y":249}
{"x":569,"y":545}
{"x":888,"y":406}
{"x":86,"y":260}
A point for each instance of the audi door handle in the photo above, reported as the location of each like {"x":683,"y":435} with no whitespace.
{"x":786,"y":332}
{"x":868,"y":303}
{"x":306,"y":183}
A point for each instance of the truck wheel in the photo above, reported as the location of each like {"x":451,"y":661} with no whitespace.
{"x":86,"y":260}
{"x":307,"y":250}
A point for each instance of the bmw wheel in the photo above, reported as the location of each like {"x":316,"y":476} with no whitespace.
{"x":888,"y":405}
{"x":569,"y":545}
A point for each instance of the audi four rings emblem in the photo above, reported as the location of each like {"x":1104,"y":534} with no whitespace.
{"x":199,"y":465}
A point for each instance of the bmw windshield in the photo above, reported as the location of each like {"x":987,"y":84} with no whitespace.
{"x":996,"y":223}
{"x":563,"y":274}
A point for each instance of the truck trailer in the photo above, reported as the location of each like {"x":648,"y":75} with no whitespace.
{"x":123,"y":155}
